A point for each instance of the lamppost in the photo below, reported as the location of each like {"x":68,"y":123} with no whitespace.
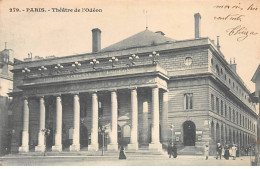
{"x":94,"y":62}
{"x":113,"y":60}
{"x":45,"y":132}
{"x":172,"y":128}
{"x":76,"y":65}
{"x":102,"y":130}
{"x":154,"y":55}
{"x":132,"y":59}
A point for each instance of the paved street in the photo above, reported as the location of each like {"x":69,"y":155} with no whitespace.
{"x":113,"y":161}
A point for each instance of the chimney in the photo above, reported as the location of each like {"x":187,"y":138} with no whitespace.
{"x":233,"y":65}
{"x":96,"y":40}
{"x":197,"y":18}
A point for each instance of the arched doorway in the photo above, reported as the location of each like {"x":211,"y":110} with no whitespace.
{"x":83,"y":135}
{"x":189,"y":133}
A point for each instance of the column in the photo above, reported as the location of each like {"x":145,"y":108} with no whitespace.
{"x":25,"y":134}
{"x":155,"y":143}
{"x":164,"y":125}
{"x":145,"y":129}
{"x":94,"y":130}
{"x":41,"y":141}
{"x":58,"y":133}
{"x":76,"y":132}
{"x":113,"y":145}
{"x":134,"y":126}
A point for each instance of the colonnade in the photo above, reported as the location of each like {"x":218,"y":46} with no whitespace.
{"x":113,"y":144}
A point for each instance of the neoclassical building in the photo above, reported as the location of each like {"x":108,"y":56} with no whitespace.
{"x":144,"y":91}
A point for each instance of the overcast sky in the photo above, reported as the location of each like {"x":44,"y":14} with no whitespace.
{"x":62,"y":34}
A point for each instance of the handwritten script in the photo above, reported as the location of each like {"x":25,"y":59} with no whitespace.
{"x":240,"y":31}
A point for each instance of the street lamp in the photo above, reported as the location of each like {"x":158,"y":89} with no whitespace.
{"x":58,"y":67}
{"x":132,"y":59}
{"x":172,"y":128}
{"x":154,"y":55}
{"x":102,"y":130}
{"x":113,"y":60}
{"x":94,"y":62}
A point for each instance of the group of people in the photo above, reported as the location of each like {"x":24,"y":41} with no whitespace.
{"x":226,"y":151}
{"x":172,"y":150}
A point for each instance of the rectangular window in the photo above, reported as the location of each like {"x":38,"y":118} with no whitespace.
{"x":225,"y":110}
{"x":221,"y":107}
{"x":188,"y":101}
{"x":212,"y":102}
{"x":240,"y":119}
{"x":229,"y":111}
{"x":100,"y":109}
{"x":234,"y":117}
{"x":243,"y":121}
{"x":237,"y":118}
{"x":217,"y":104}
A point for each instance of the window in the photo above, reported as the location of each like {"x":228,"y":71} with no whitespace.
{"x":229,"y":110}
{"x":217,"y":69}
{"x":212,"y":102}
{"x":225,"y":77}
{"x":234,"y":117}
{"x":240,"y":119}
{"x":225,"y":110}
{"x":237,"y":117}
{"x":243,"y":121}
{"x":221,"y":107}
{"x":188,"y":61}
{"x":188,"y":102}
{"x":217,"y":104}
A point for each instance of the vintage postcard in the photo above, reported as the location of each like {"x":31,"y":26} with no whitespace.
{"x":129,"y":82}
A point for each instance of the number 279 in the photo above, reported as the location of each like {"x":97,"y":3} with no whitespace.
{"x":14,"y":10}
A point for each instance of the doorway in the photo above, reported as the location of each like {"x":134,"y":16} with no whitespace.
{"x":189,"y":133}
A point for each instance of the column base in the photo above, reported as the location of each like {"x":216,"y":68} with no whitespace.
{"x":24,"y":149}
{"x":132,"y":146}
{"x":40,"y":148}
{"x":57,"y":148}
{"x":155,"y":147}
{"x":112,"y":147}
{"x":93,"y":147}
{"x":75,"y":147}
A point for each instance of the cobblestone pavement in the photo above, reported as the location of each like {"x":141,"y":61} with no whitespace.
{"x":113,"y":161}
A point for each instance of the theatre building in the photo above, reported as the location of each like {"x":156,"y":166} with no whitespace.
{"x":142,"y":92}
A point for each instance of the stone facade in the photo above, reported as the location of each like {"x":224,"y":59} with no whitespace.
{"x":189,"y":86}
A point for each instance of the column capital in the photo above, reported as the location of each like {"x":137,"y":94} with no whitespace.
{"x":133,"y":88}
{"x":57,"y":95}
{"x":93,"y":91}
{"x":112,"y":90}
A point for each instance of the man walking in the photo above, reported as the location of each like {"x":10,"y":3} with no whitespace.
{"x":219,"y":150}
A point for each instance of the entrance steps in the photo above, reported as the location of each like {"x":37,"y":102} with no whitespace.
{"x":142,"y":152}
{"x":190,"y":150}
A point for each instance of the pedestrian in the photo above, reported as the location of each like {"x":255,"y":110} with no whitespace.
{"x":226,"y":154}
{"x":170,"y":150}
{"x":122,"y":155}
{"x":174,"y":150}
{"x":237,"y":154}
{"x":234,"y":150}
{"x":219,"y":150}
{"x":206,"y":152}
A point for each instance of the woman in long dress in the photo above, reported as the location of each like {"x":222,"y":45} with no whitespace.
{"x":122,"y":155}
{"x":226,"y":154}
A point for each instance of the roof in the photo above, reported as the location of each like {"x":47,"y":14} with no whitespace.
{"x":256,"y":73}
{"x":141,"y":39}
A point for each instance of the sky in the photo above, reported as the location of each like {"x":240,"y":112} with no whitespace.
{"x":69,"y":33}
